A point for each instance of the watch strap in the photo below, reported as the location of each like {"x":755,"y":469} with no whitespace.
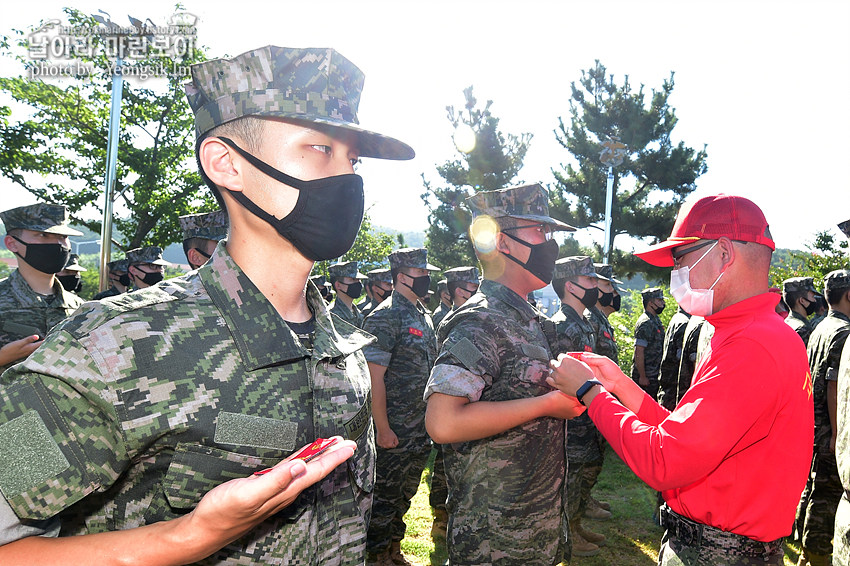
{"x":587,"y":386}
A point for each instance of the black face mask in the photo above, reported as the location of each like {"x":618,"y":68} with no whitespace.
{"x":47,"y":258}
{"x":420,"y":285}
{"x":379,"y":295}
{"x":660,"y":309}
{"x":354,"y":290}
{"x":811,"y":308}
{"x":605,"y":299}
{"x":151,"y":278}
{"x":541,"y":260}
{"x":124,"y":279}
{"x":71,"y":283}
{"x":589,"y":297}
{"x":326,"y":218}
{"x":615,"y":304}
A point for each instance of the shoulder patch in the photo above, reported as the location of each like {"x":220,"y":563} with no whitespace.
{"x":466,"y":353}
{"x":535,"y":352}
{"x":30,"y":454}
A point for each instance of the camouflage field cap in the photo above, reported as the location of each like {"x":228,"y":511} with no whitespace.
{"x":41,"y":217}
{"x":118,"y":266}
{"x":838,"y":279}
{"x":528,"y":202}
{"x":381,"y":275}
{"x":312,"y":85}
{"x":150,"y":254}
{"x":798,"y":284}
{"x":207,"y":225}
{"x":845,"y":227}
{"x":345,"y":269}
{"x":573,"y":266}
{"x":73,"y":263}
{"x":465,"y":274}
{"x":318,"y":280}
{"x":411,"y":257}
{"x":606,"y":272}
{"x":652,"y":293}
{"x":442,"y":285}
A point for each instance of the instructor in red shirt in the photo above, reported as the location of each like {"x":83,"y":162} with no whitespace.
{"x":731,"y":459}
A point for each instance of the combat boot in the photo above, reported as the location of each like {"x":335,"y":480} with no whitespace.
{"x":441,"y":523}
{"x":582,"y":547}
{"x":397,"y":557}
{"x":596,"y":538}
{"x":596,"y":512}
{"x":603,"y":504}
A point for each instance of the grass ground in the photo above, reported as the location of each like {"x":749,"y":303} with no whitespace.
{"x":632,"y":538}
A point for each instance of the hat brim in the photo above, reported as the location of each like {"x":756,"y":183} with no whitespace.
{"x":361,"y":276}
{"x":661,"y":254}
{"x":430,"y":267}
{"x":61,"y":230}
{"x":557,"y":224}
{"x":158,"y":262}
{"x":369,"y":143}
{"x":75,"y":268}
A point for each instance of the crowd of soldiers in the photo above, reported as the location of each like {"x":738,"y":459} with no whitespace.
{"x":233,"y":416}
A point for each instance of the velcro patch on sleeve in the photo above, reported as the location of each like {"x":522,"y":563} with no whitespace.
{"x":29,"y":454}
{"x":258,"y":432}
{"x":535,"y":352}
{"x":466,"y":353}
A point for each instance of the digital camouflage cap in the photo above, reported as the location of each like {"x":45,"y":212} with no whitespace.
{"x":381,"y":275}
{"x":318,"y":280}
{"x":652,"y":293}
{"x":838,"y":279}
{"x":118,"y":266}
{"x":465,"y":274}
{"x":41,"y":217}
{"x":345,"y":269}
{"x":150,"y":254}
{"x":606,"y":272}
{"x":73,"y":263}
{"x":845,"y":227}
{"x":573,"y":266}
{"x":411,"y":257}
{"x":312,"y":85}
{"x":206,"y":225}
{"x":798,"y":285}
{"x":527,"y":202}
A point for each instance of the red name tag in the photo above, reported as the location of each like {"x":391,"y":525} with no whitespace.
{"x":414,"y":331}
{"x":606,"y":335}
{"x":588,"y":349}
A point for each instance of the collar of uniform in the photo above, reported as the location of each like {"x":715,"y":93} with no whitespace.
{"x":510,"y":297}
{"x":400,"y":300}
{"x":262,"y":337}
{"x":29,"y":298}
{"x":570,"y":313}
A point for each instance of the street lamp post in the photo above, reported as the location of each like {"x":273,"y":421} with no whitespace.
{"x":612,"y":155}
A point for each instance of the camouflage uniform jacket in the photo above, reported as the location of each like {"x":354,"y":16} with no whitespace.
{"x":841,"y":542}
{"x":407,"y":347}
{"x":440,"y":314}
{"x":606,"y":344}
{"x":668,"y":378}
{"x":137,"y":406}
{"x":23,"y":312}
{"x":352,"y":316}
{"x":505,"y":491}
{"x":824,"y":351}
{"x":800,"y":324}
{"x":649,"y":333}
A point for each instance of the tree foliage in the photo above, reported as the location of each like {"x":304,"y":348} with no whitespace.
{"x":492,"y":164}
{"x":59,"y":152}
{"x":654,"y":178}
{"x":825,"y":254}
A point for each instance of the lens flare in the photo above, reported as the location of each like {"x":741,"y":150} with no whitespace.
{"x":464,"y":138}
{"x":483,"y":232}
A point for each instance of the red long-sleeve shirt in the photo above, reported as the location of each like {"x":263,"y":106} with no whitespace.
{"x":735,"y":452}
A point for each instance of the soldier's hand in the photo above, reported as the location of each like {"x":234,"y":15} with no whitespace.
{"x":386,"y":438}
{"x":606,"y":371}
{"x":231,"y":509}
{"x":563,"y":406}
{"x":19,"y":349}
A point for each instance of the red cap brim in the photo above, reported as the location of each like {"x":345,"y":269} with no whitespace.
{"x":661,"y":254}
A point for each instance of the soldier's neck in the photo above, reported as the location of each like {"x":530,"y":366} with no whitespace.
{"x":39,"y":282}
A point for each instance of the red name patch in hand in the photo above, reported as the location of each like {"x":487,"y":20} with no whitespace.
{"x":415,"y":331}
{"x":308,"y":452}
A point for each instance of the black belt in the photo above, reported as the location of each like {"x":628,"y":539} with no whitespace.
{"x":696,"y":535}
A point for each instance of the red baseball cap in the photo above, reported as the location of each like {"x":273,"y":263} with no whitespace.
{"x":711,"y":218}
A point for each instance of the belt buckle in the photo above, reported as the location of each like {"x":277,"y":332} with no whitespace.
{"x":689,"y":533}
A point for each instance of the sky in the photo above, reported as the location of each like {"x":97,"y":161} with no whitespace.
{"x":763,"y":84}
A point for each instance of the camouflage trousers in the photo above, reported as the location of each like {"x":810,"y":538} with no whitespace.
{"x":581,"y":477}
{"x":439,"y":488}
{"x":841,"y":542}
{"x":398,"y":472}
{"x":815,"y":523}
{"x":688,"y":543}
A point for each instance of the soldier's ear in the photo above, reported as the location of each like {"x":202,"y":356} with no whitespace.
{"x":221,"y":164}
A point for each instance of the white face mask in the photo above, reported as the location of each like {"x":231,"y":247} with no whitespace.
{"x":698,"y":302}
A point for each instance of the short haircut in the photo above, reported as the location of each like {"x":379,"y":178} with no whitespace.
{"x":193,"y":243}
{"x":646,"y":299}
{"x":249,"y":130}
{"x":558,"y":285}
{"x":16,"y":232}
{"x":791,"y":297}
{"x":451,"y":287}
{"x":834,"y":293}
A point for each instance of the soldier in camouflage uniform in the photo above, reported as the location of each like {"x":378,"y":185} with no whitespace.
{"x":201,"y":233}
{"x":817,"y":513}
{"x":841,"y":538}
{"x":671,"y":358}
{"x":118,"y":276}
{"x":158,"y":407}
{"x":501,"y":427}
{"x":462,"y":283}
{"x":70,"y":277}
{"x":399,"y":363}
{"x":445,"y":306}
{"x":575,"y":283}
{"x":649,"y":342}
{"x":146,"y":266}
{"x":799,"y":294}
{"x":323,"y":286}
{"x":347,"y":287}
{"x":32,"y":300}
{"x":607,"y":303}
{"x":380,"y":284}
